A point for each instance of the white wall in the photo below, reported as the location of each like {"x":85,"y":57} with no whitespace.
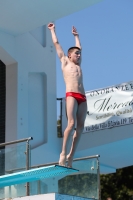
{"x":51,"y":196}
{"x":34,"y":91}
{"x":34,"y":58}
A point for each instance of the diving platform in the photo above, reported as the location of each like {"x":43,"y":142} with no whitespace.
{"x":53,"y":182}
{"x":35,"y":174}
{"x":18,"y":179}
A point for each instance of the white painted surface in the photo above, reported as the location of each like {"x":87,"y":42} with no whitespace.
{"x":30,"y":57}
{"x":37,"y":107}
{"x":7,"y":51}
{"x":11,"y":101}
{"x":39,"y":35}
{"x":52,"y":196}
{"x":17,"y":17}
{"x":33,"y":58}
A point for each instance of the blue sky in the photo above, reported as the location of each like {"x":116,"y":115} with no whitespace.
{"x":106,"y":34}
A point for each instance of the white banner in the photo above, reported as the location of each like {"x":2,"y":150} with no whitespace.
{"x":106,"y":108}
{"x":109,"y":107}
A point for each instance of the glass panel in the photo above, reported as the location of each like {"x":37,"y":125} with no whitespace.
{"x":12,"y":159}
{"x":85,"y":183}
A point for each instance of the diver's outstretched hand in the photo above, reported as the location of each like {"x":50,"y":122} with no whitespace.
{"x":51,"y":26}
{"x":74,"y":31}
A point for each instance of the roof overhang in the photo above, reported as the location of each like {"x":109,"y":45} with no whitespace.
{"x":20,"y":16}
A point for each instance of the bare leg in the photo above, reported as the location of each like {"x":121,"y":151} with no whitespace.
{"x":81,"y":115}
{"x":71,"y":114}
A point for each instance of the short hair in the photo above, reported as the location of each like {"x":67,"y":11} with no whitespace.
{"x":72,"y":48}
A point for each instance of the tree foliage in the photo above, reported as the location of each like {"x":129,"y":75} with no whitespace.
{"x":119,"y":185}
{"x":59,"y":131}
{"x":84,"y":185}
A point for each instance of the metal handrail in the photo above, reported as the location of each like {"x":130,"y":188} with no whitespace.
{"x":60,"y":99}
{"x":76,"y":159}
{"x":16,"y":141}
{"x":54,"y":163}
{"x":27,"y":156}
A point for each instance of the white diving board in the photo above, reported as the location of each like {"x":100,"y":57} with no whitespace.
{"x":35,"y":174}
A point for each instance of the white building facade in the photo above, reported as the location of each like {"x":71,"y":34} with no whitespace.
{"x":27,"y":51}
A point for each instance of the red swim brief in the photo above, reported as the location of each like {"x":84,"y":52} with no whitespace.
{"x":79,"y":97}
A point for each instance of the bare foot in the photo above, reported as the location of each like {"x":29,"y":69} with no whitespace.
{"x":69,"y":161}
{"x":62,"y":160}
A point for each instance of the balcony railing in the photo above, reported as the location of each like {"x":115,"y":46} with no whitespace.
{"x":15,"y":157}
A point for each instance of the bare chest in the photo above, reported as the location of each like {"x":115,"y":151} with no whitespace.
{"x":72,"y":70}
